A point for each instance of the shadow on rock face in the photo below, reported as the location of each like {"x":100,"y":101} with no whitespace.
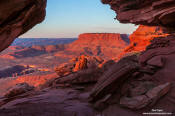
{"x":17,"y":17}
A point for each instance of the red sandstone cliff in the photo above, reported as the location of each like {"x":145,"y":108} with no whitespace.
{"x":102,"y":39}
{"x":142,"y":37}
{"x":106,"y":45}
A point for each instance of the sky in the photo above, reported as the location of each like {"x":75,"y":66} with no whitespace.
{"x":69,"y":18}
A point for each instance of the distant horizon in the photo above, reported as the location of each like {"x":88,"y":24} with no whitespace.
{"x":69,"y":18}
{"x":67,"y":37}
{"x":45,"y":38}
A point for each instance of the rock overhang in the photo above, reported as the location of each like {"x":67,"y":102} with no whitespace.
{"x":145,"y":12}
{"x":17,"y":17}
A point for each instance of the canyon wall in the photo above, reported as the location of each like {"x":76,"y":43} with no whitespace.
{"x":103,"y":39}
{"x":106,"y":45}
{"x":17,"y":17}
{"x":143,"y":36}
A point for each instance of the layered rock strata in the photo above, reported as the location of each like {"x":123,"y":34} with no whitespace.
{"x":105,"y":45}
{"x":143,"y":36}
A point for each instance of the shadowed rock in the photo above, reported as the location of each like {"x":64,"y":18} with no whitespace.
{"x":151,"y":97}
{"x":113,"y":79}
{"x":80,"y":77}
{"x":17,"y":17}
{"x":146,"y":12}
{"x":18,"y":89}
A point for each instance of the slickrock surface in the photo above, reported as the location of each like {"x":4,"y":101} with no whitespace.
{"x":17,"y":17}
{"x":49,"y":102}
{"x":149,"y":96}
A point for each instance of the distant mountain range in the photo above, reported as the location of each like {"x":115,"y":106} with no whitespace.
{"x":28,"y":42}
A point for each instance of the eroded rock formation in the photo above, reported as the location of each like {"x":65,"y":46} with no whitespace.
{"x":83,"y":69}
{"x":103,"y":39}
{"x":17,"y":17}
{"x":142,"y":37}
{"x":105,"y":45}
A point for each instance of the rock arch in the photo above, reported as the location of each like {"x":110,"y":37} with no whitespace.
{"x":19,"y":16}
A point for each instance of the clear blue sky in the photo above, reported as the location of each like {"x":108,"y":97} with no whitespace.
{"x":69,"y":18}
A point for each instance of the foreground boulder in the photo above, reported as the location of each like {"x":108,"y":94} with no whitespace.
{"x":79,"y":63}
{"x":114,"y":78}
{"x":151,"y":97}
{"x":83,"y":69}
{"x":17,"y":17}
{"x":49,"y":102}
